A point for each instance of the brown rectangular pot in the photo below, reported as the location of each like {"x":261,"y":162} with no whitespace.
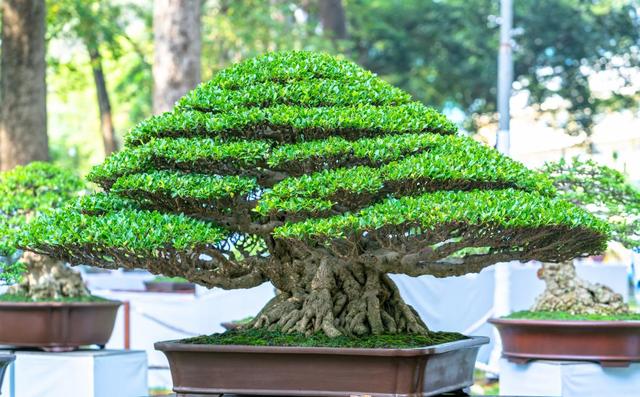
{"x":610,"y":343}
{"x":56,"y":326}
{"x":199,"y":370}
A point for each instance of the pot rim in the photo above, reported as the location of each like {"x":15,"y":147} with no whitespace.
{"x":110,"y":303}
{"x":176,"y":346}
{"x":7,"y":357}
{"x":169,"y":282}
{"x":566,"y":323}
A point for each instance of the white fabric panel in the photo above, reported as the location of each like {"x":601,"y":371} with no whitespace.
{"x":88,"y":373}
{"x":568,"y":379}
{"x":461,"y":304}
{"x":117,"y":280}
{"x":166,"y":316}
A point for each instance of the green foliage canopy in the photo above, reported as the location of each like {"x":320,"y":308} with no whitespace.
{"x":26,"y":191}
{"x":604,"y":192}
{"x":310,"y":155}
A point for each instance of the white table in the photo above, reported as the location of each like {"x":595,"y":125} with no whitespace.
{"x":568,"y":379}
{"x":84,"y":373}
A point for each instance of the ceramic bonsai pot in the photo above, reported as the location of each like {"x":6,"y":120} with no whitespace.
{"x":5,"y":361}
{"x":610,"y":343}
{"x":169,"y":286}
{"x":56,"y":326}
{"x":200,"y":370}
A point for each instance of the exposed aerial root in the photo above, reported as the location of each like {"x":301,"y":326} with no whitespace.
{"x":342,"y":300}
{"x":567,"y":292}
{"x":48,"y":279}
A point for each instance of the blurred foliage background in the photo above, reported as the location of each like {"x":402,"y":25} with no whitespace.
{"x":444,"y":52}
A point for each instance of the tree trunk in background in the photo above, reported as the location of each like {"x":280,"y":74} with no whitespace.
{"x":332,"y":17}
{"x":565,"y":291}
{"x":23,"y":109}
{"x":176,"y":63}
{"x":106,"y":120}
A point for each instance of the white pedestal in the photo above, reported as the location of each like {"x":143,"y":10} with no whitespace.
{"x":567,"y":379}
{"x":88,"y":373}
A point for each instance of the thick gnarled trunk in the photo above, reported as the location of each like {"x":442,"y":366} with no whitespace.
{"x":49,"y":279}
{"x":339,"y":299}
{"x":567,"y":292}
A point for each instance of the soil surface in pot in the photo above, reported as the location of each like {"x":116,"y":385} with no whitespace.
{"x":27,"y":299}
{"x":262,"y":337}
{"x":547,"y":315}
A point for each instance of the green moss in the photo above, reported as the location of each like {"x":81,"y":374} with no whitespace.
{"x":164,"y":279}
{"x":548,"y":315}
{"x":243,"y":321}
{"x":25,"y":298}
{"x":261,"y":337}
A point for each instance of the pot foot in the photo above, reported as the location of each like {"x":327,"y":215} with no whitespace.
{"x":201,"y":395}
{"x":518,"y":360}
{"x":615,"y":364}
{"x":59,"y":349}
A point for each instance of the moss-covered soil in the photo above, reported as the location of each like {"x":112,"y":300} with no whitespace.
{"x":164,"y":279}
{"x":547,"y":315}
{"x":259,"y":337}
{"x":24,"y":298}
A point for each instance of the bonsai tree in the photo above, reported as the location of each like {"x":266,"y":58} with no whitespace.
{"x":26,"y":191}
{"x":309,"y":172}
{"x":605,"y":193}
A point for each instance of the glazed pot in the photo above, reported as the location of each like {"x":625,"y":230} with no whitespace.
{"x":610,"y":343}
{"x":5,"y":361}
{"x":57,"y":326}
{"x":201,"y":370}
{"x":169,"y":286}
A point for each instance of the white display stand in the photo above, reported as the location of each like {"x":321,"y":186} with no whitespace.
{"x":162,"y":316}
{"x":568,"y":379}
{"x":86,"y":373}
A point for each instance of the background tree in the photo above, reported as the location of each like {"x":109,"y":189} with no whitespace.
{"x":98,"y":26}
{"x":443,"y":52}
{"x":176,"y":61}
{"x":311,"y":173}
{"x":605,"y":193}
{"x":23,"y":111}
{"x":26,"y":191}
{"x":334,"y":21}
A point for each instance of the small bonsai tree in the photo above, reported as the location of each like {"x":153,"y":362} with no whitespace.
{"x":26,"y":191}
{"x":309,"y":172}
{"x":605,"y":193}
